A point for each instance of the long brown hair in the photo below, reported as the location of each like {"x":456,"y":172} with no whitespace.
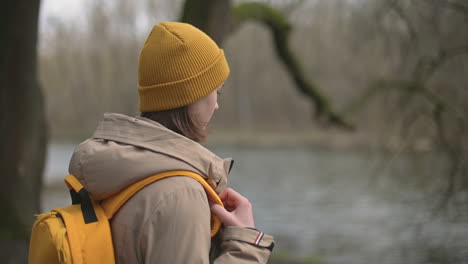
{"x":179,"y":121}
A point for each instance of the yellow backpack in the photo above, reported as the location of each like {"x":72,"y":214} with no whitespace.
{"x":80,"y":233}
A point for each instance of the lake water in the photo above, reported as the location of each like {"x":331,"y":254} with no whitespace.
{"x":335,"y":206}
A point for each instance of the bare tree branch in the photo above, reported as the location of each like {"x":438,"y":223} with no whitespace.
{"x":427,"y":66}
{"x":412,"y":86}
{"x":396,"y":7}
{"x":453,"y":154}
{"x":209,"y":14}
{"x":454,"y":4}
{"x":280,"y":29}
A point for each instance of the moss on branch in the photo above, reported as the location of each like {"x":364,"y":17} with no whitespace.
{"x":281,"y":29}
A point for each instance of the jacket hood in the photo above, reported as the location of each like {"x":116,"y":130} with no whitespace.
{"x":126,"y":149}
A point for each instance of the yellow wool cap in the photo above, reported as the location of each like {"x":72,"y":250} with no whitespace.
{"x":178,"y":65}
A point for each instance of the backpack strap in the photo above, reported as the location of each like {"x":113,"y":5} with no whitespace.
{"x":113,"y":204}
{"x":79,"y":195}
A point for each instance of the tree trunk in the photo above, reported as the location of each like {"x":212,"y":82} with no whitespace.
{"x":22,"y":128}
{"x":213,"y":17}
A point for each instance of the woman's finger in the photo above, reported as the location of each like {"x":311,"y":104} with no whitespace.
{"x":237,"y":209}
{"x":226,"y":217}
{"x":232,"y":197}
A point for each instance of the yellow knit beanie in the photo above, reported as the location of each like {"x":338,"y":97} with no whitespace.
{"x":179,"y":64}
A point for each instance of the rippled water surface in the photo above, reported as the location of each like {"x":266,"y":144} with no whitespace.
{"x":329,"y":204}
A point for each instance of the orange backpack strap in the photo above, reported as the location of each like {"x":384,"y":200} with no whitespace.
{"x":113,"y":204}
{"x":79,"y":195}
{"x":73,"y":183}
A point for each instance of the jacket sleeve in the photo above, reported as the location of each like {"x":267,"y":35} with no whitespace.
{"x":179,"y":232}
{"x":243,"y":245}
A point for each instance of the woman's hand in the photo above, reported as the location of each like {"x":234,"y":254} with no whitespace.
{"x":237,"y":209}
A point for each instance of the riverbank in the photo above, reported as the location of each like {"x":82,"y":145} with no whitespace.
{"x":319,"y":138}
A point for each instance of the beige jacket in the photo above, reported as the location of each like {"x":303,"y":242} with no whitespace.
{"x":169,"y":220}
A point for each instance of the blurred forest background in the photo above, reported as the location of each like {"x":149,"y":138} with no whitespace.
{"x":376,"y":60}
{"x":395,"y":70}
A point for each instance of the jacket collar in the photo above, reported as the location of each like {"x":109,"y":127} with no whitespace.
{"x":150,"y":135}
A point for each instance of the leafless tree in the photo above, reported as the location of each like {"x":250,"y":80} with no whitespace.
{"x":23,"y":128}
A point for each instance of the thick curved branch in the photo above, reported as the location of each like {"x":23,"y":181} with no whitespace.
{"x":208,"y":15}
{"x":280,"y":29}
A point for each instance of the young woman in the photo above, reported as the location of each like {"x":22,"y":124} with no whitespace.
{"x":181,"y":70}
